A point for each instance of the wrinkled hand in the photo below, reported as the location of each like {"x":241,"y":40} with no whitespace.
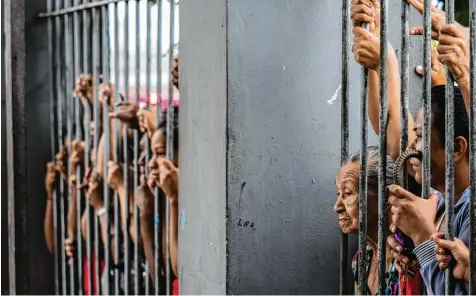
{"x":50,"y":179}
{"x":438,"y":19}
{"x":168,"y":178}
{"x":438,"y":73}
{"x":147,"y":121}
{"x":454,"y":52}
{"x":366,"y":11}
{"x":175,"y":72}
{"x":366,"y":49}
{"x":396,"y":251}
{"x":413,"y":215}
{"x":459,"y":252}
{"x":127,"y":113}
{"x":115,"y":178}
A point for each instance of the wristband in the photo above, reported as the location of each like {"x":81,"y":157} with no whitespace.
{"x":101,"y":211}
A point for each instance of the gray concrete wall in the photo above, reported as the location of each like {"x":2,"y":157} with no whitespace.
{"x":279,"y":116}
{"x":203,"y":104}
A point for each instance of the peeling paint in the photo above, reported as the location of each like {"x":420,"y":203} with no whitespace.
{"x":334,"y":96}
{"x":183,"y":220}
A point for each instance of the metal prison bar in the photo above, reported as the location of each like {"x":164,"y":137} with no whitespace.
{"x":426,"y":104}
{"x":84,"y":27}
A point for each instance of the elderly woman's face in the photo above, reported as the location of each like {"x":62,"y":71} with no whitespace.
{"x":347,"y":204}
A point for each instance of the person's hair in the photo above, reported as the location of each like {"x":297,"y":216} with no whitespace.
{"x":461,"y":119}
{"x":373,"y":158}
{"x":175,"y":126}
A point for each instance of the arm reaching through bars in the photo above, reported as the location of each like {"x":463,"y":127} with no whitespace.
{"x":50,"y":180}
{"x":454,"y":52}
{"x":367,"y":53}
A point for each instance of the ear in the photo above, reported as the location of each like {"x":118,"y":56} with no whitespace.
{"x":461,"y":149}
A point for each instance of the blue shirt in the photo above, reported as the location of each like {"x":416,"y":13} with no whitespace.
{"x":433,"y":277}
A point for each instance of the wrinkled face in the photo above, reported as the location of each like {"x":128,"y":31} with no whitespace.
{"x":347,"y":204}
{"x":158,"y":148}
{"x":437,"y":152}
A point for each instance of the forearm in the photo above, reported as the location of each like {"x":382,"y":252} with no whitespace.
{"x":48,"y":225}
{"x":147,"y":235}
{"x":72,"y":214}
{"x":174,"y":236}
{"x":393,"y":107}
{"x":464,"y":86}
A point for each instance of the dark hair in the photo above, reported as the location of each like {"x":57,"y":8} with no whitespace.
{"x":372,"y":172}
{"x":175,"y":126}
{"x":461,"y":119}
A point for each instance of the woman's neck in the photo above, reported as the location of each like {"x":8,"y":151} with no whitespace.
{"x":461,"y":181}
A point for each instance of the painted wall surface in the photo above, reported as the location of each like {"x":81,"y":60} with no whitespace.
{"x":202,"y":161}
{"x":283,"y":142}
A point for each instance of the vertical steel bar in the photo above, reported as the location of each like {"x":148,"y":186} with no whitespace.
{"x":97,"y":135}
{"x":136,"y":148}
{"x":147,"y":86}
{"x":60,"y":104}
{"x":107,"y":150}
{"x":157,"y":195}
{"x":472,"y":155}
{"x":170,"y":140}
{"x":77,"y":71}
{"x":382,"y":166}
{"x":69,"y":108}
{"x":426,"y":101}
{"x":126,"y":156}
{"x":405,"y":86}
{"x":362,"y":273}
{"x":87,"y":134}
{"x":52,"y":106}
{"x":449,"y":176}
{"x":344,"y":260}
{"x":117,"y":221}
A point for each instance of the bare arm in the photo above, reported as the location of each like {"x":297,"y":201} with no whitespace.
{"x":48,"y":225}
{"x":71,"y":227}
{"x":147,"y":234}
{"x":393,"y":127}
{"x":173,"y":239}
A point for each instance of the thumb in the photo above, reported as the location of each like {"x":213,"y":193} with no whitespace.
{"x":420,"y":70}
{"x":445,"y":244}
{"x":434,"y":56}
{"x":433,"y":198}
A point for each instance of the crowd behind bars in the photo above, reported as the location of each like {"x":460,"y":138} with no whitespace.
{"x":413,"y":269}
{"x":158,"y":172}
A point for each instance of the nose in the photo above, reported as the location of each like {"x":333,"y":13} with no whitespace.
{"x":153,"y":163}
{"x":338,"y":206}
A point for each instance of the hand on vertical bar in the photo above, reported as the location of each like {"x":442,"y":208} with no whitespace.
{"x":94,"y":194}
{"x":84,"y":88}
{"x":454,"y":52}
{"x":438,"y":73}
{"x":366,"y":49}
{"x":127,"y":113}
{"x":397,"y":251}
{"x":452,"y":252}
{"x":366,"y":11}
{"x":50,"y":179}
{"x":147,"y":121}
{"x":69,"y":246}
{"x":115,"y":178}
{"x":414,"y":216}
{"x":106,"y":95}
{"x":77,"y":154}
{"x":166,"y":176}
{"x":61,"y":160}
{"x":175,"y":72}
{"x":438,"y":19}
